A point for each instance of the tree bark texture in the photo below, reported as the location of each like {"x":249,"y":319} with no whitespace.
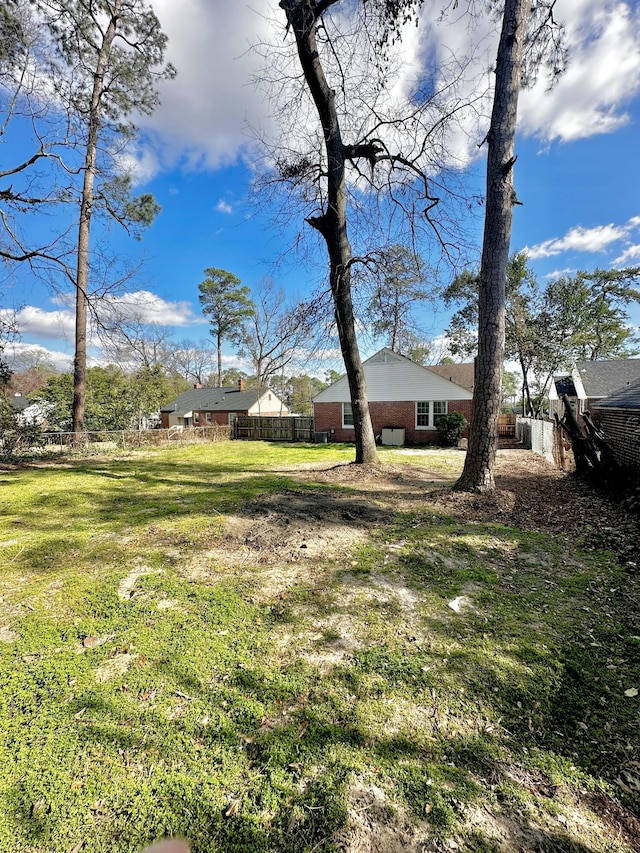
{"x":477,"y":475}
{"x":302,"y":16}
{"x":84,"y":227}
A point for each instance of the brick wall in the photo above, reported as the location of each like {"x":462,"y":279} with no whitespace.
{"x":328,"y":417}
{"x":216,"y":418}
{"x":622,"y":430}
{"x":221,"y":418}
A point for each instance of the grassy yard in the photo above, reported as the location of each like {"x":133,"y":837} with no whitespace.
{"x":241,"y":644}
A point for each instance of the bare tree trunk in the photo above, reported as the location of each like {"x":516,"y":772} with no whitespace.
{"x":477,"y":475}
{"x":219,"y":348}
{"x":84,"y":229}
{"x":527,"y":405}
{"x":302,"y":16}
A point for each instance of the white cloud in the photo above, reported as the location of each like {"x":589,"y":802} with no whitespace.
{"x":45,"y":324}
{"x":224,"y":206}
{"x":630,"y":255}
{"x":205,"y":113}
{"x":209,"y":113}
{"x":139,"y":160}
{"x":201,"y":122}
{"x":147,"y":307}
{"x":142,"y":306}
{"x":602,"y":77}
{"x":578,"y":239}
{"x":559,"y":273}
{"x":21,"y":355}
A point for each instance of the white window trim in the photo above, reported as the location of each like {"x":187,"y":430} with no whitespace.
{"x":431,"y":425}
{"x":346,"y":426}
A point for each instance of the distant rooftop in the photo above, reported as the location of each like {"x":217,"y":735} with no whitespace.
{"x":213,"y":399}
{"x":627,"y":398}
{"x":19,"y":402}
{"x":461,"y":374}
{"x":602,"y":378}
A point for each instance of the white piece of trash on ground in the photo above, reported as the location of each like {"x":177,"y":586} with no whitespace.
{"x":459,"y":603}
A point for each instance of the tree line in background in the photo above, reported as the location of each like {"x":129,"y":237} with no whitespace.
{"x":118,"y":399}
{"x":77,"y":71}
{"x":548,"y":328}
{"x":277,"y":338}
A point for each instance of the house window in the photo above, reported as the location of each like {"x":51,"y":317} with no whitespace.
{"x":232,"y":417}
{"x":439,"y":408}
{"x":422,"y":414}
{"x":427,"y":411}
{"x":196,"y":418}
{"x":347,"y":415}
{"x":208,"y":417}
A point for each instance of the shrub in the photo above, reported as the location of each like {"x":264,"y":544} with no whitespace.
{"x":450,"y":427}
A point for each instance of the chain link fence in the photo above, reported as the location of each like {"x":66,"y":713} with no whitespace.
{"x":34,"y":443}
{"x":540,"y":436}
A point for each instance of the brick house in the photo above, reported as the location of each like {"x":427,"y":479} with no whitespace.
{"x":205,"y":406}
{"x":619,"y":418}
{"x":402,"y":395}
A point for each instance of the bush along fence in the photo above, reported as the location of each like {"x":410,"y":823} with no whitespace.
{"x":18,"y":443}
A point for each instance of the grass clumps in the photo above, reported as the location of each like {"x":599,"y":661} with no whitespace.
{"x":225,"y":644}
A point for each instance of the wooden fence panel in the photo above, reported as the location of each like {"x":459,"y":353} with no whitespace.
{"x":256,"y":428}
{"x":507,"y":424}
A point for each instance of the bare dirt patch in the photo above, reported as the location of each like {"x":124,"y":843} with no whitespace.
{"x":277,"y":536}
{"x":376,"y":825}
{"x":530,"y":494}
{"x":128,"y":584}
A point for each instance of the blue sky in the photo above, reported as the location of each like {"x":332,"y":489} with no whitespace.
{"x":577,"y":173}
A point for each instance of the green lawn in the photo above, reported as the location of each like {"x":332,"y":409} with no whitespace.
{"x":458,"y":685}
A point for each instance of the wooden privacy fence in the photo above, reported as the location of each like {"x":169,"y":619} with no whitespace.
{"x":507,"y":424}
{"x":251,"y":428}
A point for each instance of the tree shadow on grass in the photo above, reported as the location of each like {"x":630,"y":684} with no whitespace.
{"x":293,"y":766}
{"x":499,"y":700}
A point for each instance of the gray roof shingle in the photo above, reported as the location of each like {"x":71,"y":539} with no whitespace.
{"x":602,"y":378}
{"x":627,"y":398}
{"x":19,"y":402}
{"x":213,"y":400}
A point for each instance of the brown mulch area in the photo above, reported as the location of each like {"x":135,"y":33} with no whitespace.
{"x":626,"y":824}
{"x":530,"y":493}
{"x":533,"y":495}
